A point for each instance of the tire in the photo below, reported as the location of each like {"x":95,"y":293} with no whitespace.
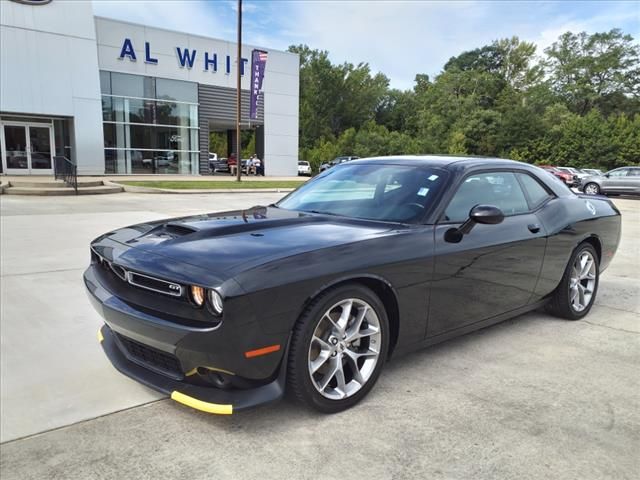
{"x":567,"y":300}
{"x":592,"y":189}
{"x":312,"y":361}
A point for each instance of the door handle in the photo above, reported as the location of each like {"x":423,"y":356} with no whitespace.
{"x":533,"y":227}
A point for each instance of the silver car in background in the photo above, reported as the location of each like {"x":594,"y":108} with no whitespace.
{"x":620,"y":181}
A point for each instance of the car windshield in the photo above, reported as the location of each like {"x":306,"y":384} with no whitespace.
{"x":303,"y":164}
{"x":391,"y":193}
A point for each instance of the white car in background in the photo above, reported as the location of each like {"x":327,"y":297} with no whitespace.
{"x":593,"y":171}
{"x":304,"y":168}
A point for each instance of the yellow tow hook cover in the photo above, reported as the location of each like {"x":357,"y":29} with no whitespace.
{"x":200,"y":405}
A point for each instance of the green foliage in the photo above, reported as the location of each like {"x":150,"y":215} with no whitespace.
{"x":590,"y":70}
{"x":218,"y":143}
{"x":579,"y":105}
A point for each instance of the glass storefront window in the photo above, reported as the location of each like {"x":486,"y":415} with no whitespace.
{"x":177,"y":114}
{"x":62,"y":137}
{"x":105,"y":82}
{"x":140,"y":111}
{"x":142,"y":161}
{"x":149,"y":125}
{"x":107,"y":109}
{"x":176,"y":90}
{"x":133,"y":85}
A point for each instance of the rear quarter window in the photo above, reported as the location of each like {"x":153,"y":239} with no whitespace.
{"x":536,"y":193}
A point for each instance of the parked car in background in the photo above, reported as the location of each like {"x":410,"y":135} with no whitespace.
{"x":218,"y":165}
{"x":621,"y":181}
{"x":592,"y":171}
{"x":574,"y":171}
{"x":569,"y":179}
{"x":304,"y":168}
{"x":336,"y":161}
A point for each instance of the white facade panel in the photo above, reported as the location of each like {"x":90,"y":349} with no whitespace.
{"x":281,"y":83}
{"x":280,"y":166}
{"x":49,"y":67}
{"x":282,"y":104}
{"x":64,"y":17}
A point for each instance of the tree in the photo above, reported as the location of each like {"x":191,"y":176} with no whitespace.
{"x":591,"y":70}
{"x":334,"y":98}
{"x":516,"y":63}
{"x":494,"y":100}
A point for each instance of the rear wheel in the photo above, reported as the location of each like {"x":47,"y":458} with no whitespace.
{"x":338,"y":348}
{"x":576,"y":293}
{"x":592,"y":189}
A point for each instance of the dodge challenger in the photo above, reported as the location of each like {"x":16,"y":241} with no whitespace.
{"x":371,"y":259}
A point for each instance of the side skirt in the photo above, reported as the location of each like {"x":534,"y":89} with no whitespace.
{"x":468,"y":328}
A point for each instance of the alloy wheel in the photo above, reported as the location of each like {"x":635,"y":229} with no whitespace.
{"x":583,"y":281}
{"x":592,"y":189}
{"x":344,"y":349}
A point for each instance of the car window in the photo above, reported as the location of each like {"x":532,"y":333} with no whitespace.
{"x":500,"y":189}
{"x":395,"y":193}
{"x":537,"y":193}
{"x":620,"y":172}
{"x":634,"y":172}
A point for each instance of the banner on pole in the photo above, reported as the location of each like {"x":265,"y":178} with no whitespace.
{"x":258,"y":64}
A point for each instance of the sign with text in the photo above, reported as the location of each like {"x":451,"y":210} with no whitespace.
{"x":258,"y":64}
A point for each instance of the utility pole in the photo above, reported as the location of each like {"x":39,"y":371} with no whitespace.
{"x":238,"y":96}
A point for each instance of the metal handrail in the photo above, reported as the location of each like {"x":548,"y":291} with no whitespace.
{"x":66,"y":171}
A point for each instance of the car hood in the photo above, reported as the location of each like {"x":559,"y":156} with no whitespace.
{"x":233,"y":241}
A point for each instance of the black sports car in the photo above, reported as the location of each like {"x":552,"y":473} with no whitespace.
{"x":372,"y":258}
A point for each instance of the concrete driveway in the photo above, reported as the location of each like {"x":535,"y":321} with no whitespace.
{"x":530,"y":398}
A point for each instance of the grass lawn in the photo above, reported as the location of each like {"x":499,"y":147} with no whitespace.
{"x":212,"y":184}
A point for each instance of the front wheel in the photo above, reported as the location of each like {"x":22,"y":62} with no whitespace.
{"x":576,"y":293}
{"x":338,"y":348}
{"x":592,"y":189}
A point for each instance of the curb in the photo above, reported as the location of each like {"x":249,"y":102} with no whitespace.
{"x":137,"y":189}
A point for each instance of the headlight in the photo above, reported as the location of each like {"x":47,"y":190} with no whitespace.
{"x":216,"y":302}
{"x":197,"y":295}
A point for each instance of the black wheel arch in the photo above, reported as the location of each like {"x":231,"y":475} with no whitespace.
{"x":378,"y":285}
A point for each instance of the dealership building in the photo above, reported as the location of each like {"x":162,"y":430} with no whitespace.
{"x":121,"y":98}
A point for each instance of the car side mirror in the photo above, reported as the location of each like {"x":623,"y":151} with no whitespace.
{"x":484,"y":214}
{"x":607,"y":175}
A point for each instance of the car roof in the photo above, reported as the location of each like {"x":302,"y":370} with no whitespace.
{"x":440,"y":161}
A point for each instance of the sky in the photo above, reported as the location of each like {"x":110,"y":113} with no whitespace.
{"x":397,"y":38}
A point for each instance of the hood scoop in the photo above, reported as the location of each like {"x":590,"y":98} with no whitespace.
{"x":167,"y":231}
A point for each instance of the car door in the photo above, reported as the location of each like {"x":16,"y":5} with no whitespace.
{"x":494,"y":268}
{"x":615,"y":181}
{"x":632,"y":181}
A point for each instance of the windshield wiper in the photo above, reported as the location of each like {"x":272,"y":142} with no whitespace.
{"x":323,"y":213}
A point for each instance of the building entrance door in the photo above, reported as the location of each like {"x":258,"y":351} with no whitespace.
{"x":27,"y":149}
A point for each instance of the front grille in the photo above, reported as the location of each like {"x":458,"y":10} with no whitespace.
{"x":155,"y":284}
{"x":152,"y":358}
{"x":139,"y":280}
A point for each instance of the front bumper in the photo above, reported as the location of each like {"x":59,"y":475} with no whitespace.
{"x":252,"y":380}
{"x":207,"y":399}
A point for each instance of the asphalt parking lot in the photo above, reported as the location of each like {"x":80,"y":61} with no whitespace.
{"x":534,"y":397}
